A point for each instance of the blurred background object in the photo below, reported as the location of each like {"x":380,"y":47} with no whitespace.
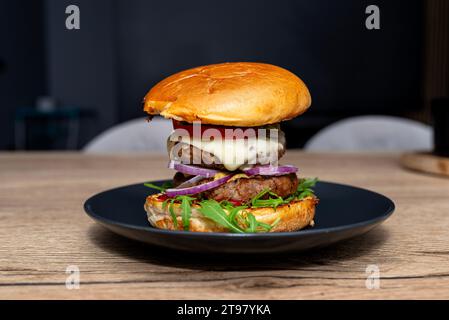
{"x":96,"y":77}
{"x":138,"y":135}
{"x":372,"y":133}
{"x":48,"y":127}
{"x":440,"y":111}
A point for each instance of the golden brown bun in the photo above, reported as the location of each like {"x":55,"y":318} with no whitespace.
{"x":293,"y":216}
{"x":242,"y":94}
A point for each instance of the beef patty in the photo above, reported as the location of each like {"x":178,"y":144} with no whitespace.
{"x":244,"y":189}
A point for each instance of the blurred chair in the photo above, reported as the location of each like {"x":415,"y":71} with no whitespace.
{"x":136,"y":135}
{"x":52,"y":128}
{"x":372,"y":133}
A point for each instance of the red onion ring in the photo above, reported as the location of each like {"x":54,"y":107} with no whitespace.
{"x":191,"y":182}
{"x":197,"y":189}
{"x":270,"y":170}
{"x":192,"y":170}
{"x":171,"y":164}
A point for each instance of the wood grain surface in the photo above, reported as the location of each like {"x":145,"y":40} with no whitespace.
{"x":43,"y":230}
{"x":426,"y":162}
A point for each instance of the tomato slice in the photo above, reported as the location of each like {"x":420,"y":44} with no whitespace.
{"x":235,"y":202}
{"x":189,"y":128}
{"x":162,"y":197}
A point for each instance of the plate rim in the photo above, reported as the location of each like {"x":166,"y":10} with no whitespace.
{"x":302,"y":232}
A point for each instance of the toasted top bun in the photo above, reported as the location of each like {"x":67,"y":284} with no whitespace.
{"x":293,"y":216}
{"x":242,"y":94}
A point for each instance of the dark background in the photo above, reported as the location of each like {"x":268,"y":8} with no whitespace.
{"x":125,"y":47}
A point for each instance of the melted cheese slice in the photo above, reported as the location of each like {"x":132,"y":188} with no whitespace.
{"x":237,"y":153}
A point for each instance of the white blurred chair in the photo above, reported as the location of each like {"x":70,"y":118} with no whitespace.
{"x":136,"y":135}
{"x":372,"y":133}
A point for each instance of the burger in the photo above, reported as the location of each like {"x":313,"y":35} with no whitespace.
{"x":225,"y":149}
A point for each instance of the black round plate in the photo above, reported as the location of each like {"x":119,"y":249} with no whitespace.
{"x":343,"y":212}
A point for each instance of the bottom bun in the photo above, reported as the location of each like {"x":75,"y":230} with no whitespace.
{"x":293,"y":216}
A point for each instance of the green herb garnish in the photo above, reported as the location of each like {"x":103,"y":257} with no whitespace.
{"x":264,"y":226}
{"x":256,"y":226}
{"x":237,"y":220}
{"x":186,"y":203}
{"x":305,"y":188}
{"x":165,"y":203}
{"x":233,"y":213}
{"x":186,"y":210}
{"x":165,"y":186}
{"x":273,"y":200}
{"x":172,"y":213}
{"x":252,"y":223}
{"x":212,"y":210}
{"x":275,"y":222}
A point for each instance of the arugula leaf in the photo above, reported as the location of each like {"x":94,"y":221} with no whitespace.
{"x":253,"y":225}
{"x":258,"y":196}
{"x":238,"y":217}
{"x":172,"y":213}
{"x":305,"y":188}
{"x":233,"y":211}
{"x":252,"y":222}
{"x":186,"y":212}
{"x":265,"y":226}
{"x":162,"y":188}
{"x":307,"y":183}
{"x":212,"y":210}
{"x":165,"y":203}
{"x":167,"y":185}
{"x":270,"y":202}
{"x":257,"y":202}
{"x":275,"y":222}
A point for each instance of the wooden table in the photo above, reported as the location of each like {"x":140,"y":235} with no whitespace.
{"x":43,"y":229}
